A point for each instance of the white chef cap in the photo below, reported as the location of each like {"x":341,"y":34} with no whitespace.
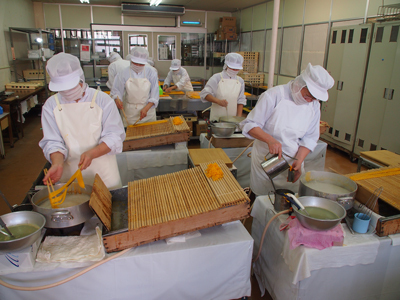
{"x":139,"y":55}
{"x":234,"y":61}
{"x":175,"y":64}
{"x":318,"y":81}
{"x":114,"y":56}
{"x":65,"y":72}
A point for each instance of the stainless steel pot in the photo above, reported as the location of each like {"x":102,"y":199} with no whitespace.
{"x":319,"y":224}
{"x":344,"y":199}
{"x":62,"y":217}
{"x":223,"y":129}
{"x":22,"y":217}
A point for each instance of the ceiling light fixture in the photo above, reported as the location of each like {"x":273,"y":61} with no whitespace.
{"x":155,"y":2}
{"x":84,"y":1}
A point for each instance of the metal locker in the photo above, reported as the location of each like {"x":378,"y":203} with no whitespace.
{"x":390,"y":132}
{"x":348,"y":69}
{"x":377,"y":89}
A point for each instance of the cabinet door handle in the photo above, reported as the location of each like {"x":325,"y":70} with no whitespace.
{"x":390,"y":94}
{"x":339,"y":86}
{"x":385,"y":93}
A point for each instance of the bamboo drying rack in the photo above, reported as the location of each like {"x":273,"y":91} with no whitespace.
{"x":155,"y":134}
{"x":177,"y":203}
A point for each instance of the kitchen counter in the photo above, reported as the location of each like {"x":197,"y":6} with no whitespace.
{"x":365,"y":267}
{"x":215,"y":265}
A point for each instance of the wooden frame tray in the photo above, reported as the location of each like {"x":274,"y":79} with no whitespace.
{"x":145,"y":211}
{"x":157,"y":133}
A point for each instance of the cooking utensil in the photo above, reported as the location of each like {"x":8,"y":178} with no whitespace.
{"x":366,"y":209}
{"x":274,"y":166}
{"x":223,"y":129}
{"x":19,"y":218}
{"x":281,"y":202}
{"x":232,"y":119}
{"x":293,"y":199}
{"x":318,"y":202}
{"x":3,"y":225}
{"x":57,"y":197}
{"x":346,"y":199}
{"x":63,"y":217}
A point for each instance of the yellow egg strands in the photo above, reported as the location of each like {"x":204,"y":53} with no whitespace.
{"x":177,"y":121}
{"x":214,"y":172}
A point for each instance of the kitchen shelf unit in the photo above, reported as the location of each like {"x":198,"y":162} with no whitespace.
{"x":33,"y":35}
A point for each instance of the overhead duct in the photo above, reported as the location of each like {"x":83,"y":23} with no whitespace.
{"x":147,"y":10}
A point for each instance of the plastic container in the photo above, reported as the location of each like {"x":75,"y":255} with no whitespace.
{"x":1,"y":110}
{"x":361,"y":223}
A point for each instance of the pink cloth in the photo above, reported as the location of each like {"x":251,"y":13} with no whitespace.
{"x":299,"y":235}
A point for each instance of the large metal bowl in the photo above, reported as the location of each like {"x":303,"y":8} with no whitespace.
{"x":318,"y":224}
{"x":345,"y":199}
{"x":223,"y":129}
{"x":18,"y":218}
{"x":232,"y":119}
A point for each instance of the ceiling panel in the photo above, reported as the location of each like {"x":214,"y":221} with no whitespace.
{"x":209,"y":5}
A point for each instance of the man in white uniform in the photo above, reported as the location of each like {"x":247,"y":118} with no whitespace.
{"x":286,"y":120}
{"x":117,"y":64}
{"x":180,"y":77}
{"x":226,"y":90}
{"x":138,"y":87}
{"x":81,"y":126}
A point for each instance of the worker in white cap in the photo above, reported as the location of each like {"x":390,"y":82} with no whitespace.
{"x":180,"y":77}
{"x":81,"y":126}
{"x":117,"y":64}
{"x":285,"y":121}
{"x":139,"y":84}
{"x":150,"y":61}
{"x":226,"y":90}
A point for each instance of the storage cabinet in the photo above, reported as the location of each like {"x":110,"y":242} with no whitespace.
{"x":347,"y":60}
{"x":379,"y":124}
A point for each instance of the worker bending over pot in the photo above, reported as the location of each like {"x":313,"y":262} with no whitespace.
{"x":226,"y":90}
{"x":117,"y":64}
{"x":137,"y":85}
{"x":81,"y":126}
{"x":180,"y":77}
{"x":286,"y":120}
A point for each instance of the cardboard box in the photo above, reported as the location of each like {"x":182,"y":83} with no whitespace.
{"x":220,"y":35}
{"x":20,"y":260}
{"x":230,"y":36}
{"x":201,"y":128}
{"x":227,"y":29}
{"x":227,"y":21}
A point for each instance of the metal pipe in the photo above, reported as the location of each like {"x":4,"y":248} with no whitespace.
{"x":275,"y":20}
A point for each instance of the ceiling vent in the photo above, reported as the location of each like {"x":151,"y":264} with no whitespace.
{"x":148,"y":11}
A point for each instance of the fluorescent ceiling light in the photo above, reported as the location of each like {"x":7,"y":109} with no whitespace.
{"x":84,"y":1}
{"x":39,"y":40}
{"x":155,"y":2}
{"x":191,"y":23}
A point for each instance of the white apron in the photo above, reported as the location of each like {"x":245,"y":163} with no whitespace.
{"x":137,"y":94}
{"x":229,"y":90}
{"x":80,"y":126}
{"x":188,"y":85}
{"x":287,"y":124}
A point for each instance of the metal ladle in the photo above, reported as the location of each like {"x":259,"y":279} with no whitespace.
{"x":3,"y":225}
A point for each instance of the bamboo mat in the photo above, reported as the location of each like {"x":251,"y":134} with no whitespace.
{"x":164,"y":127}
{"x":390,"y":184}
{"x":227,"y":190}
{"x":179,"y":195}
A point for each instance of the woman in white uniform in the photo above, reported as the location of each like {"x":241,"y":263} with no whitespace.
{"x":81,"y":126}
{"x":286,"y":120}
{"x":180,"y":77}
{"x":138,"y":87}
{"x":117,"y":64}
{"x":226,"y":90}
